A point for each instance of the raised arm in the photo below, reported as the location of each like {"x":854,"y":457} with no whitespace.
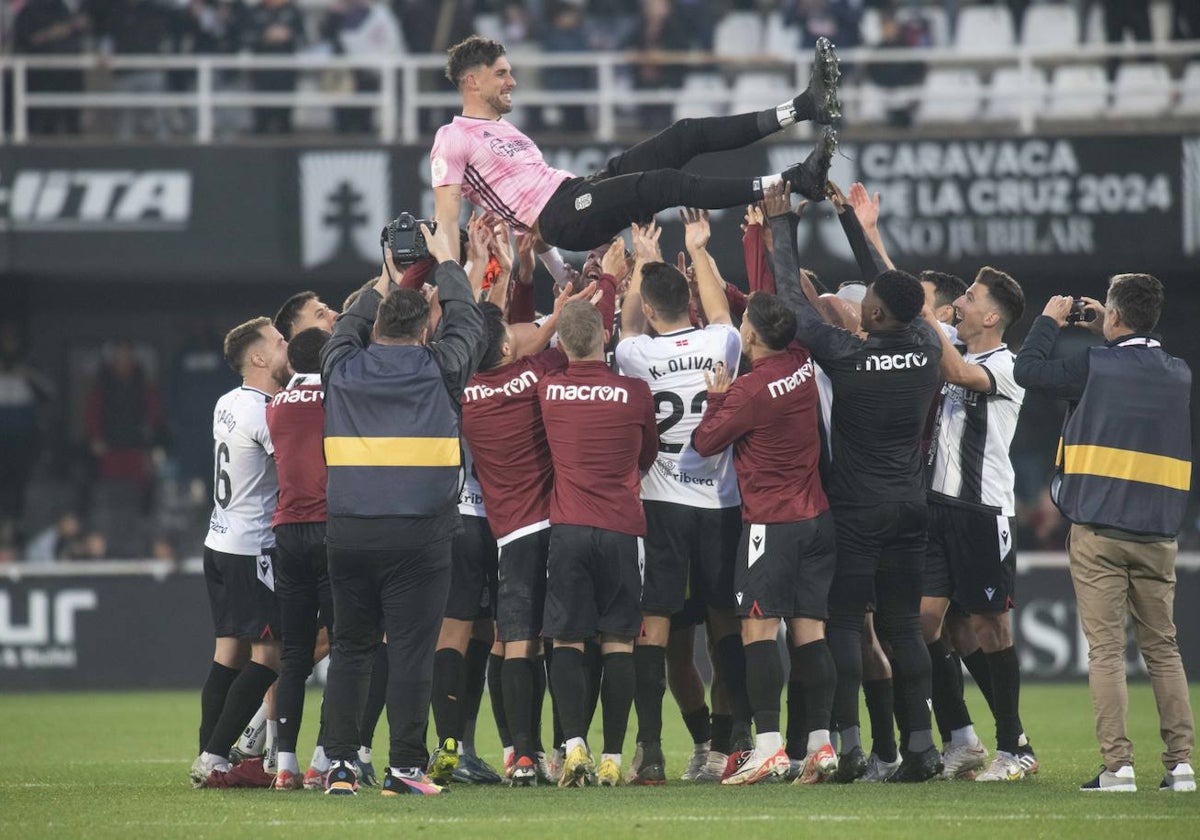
{"x":866,"y":209}
{"x":645,"y":249}
{"x":864,"y":256}
{"x":352,"y":330}
{"x":447,"y":204}
{"x":460,"y":347}
{"x":758,"y":268}
{"x":696,"y":233}
{"x":955,"y":369}
{"x":1035,"y":370}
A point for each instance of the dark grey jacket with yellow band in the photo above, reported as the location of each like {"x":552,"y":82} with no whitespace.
{"x":1125,"y":457}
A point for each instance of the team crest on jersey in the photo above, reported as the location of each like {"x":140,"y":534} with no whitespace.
{"x":583,"y":202}
{"x":438,"y":168}
{"x":509,"y":146}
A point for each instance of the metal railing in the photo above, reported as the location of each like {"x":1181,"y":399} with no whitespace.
{"x":405,"y":82}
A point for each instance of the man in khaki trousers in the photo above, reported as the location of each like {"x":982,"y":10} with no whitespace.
{"x":1124,"y":473}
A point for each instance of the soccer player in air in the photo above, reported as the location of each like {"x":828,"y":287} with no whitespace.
{"x":490,"y":162}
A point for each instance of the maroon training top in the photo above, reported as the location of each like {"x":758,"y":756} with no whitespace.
{"x":603,"y":436}
{"x":770,"y":416}
{"x":296,"y":420}
{"x":502,"y":424}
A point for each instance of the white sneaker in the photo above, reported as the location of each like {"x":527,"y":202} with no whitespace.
{"x":1005,"y":767}
{"x":759,"y":766}
{"x":202,"y":768}
{"x":1181,"y":779}
{"x":960,"y":761}
{"x":1121,"y":781}
{"x":714,"y":767}
{"x":696,"y":763}
{"x":879,"y":770}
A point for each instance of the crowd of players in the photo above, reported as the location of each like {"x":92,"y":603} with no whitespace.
{"x":827,"y":467}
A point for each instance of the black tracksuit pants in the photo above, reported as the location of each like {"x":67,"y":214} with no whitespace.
{"x":402,"y":593}
{"x":587,"y":212}
{"x":305,"y":603}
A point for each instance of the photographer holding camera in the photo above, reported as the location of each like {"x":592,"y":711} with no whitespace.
{"x":392,"y":396}
{"x":1124,"y":472}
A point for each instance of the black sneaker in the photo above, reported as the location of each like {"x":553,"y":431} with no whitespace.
{"x":473,"y":770}
{"x":918,"y":767}
{"x":341,"y":780}
{"x":822,"y":84}
{"x":851,"y":765}
{"x":653,"y":769}
{"x":810,"y":178}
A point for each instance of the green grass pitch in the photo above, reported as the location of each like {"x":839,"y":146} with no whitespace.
{"x":115,"y":765}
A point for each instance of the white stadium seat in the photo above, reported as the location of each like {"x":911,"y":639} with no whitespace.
{"x":1050,"y":25}
{"x":1141,"y":90}
{"x":1189,"y":91}
{"x":1077,"y":92}
{"x":986,"y":29}
{"x":1010,"y":87}
{"x":709,"y":91}
{"x":738,"y":33}
{"x":950,"y":96}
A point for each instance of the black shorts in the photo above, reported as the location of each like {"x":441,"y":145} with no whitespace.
{"x":521,"y":598}
{"x":241,"y":594}
{"x":691,"y":616}
{"x":784,"y":570}
{"x":887,"y":536}
{"x":690,"y":552}
{"x":971,"y":558}
{"x":302,"y":573}
{"x":593,"y":586}
{"x":472,"y":572}
{"x":586,"y":212}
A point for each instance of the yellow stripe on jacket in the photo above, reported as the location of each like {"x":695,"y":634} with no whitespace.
{"x":392,"y":452}
{"x":1126,"y":464}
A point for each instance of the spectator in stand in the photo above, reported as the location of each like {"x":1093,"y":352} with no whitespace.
{"x":659,"y":31}
{"x":54,"y":542}
{"x":50,"y":27}
{"x":274,"y":27}
{"x":124,"y":419}
{"x":206,"y":26}
{"x":360,"y":28}
{"x":901,"y":79}
{"x":837,"y":20}
{"x":1185,"y":20}
{"x":137,"y":27}
{"x":21,"y":389}
{"x":565,"y":34}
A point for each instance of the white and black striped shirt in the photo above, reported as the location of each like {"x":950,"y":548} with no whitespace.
{"x":974,"y":431}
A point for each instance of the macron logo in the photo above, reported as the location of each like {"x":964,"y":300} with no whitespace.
{"x":513,"y":386}
{"x":894,"y":361}
{"x":790,"y":383}
{"x":587,"y":393}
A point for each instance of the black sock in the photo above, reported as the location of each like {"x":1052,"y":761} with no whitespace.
{"x":844,"y":637}
{"x":880,"y":701}
{"x":539,"y":698}
{"x":244,"y":697}
{"x":977,"y":664}
{"x":797,"y":726}
{"x":555,"y":718}
{"x":948,"y":705}
{"x":495,"y":684}
{"x":477,"y":657}
{"x":912,"y":677}
{"x":733,"y":672}
{"x":819,"y":678}
{"x":617,"y":690}
{"x":722,"y":729}
{"x":376,"y":695}
{"x":517,"y":677}
{"x":900,"y":710}
{"x":570,"y":687}
{"x":449,"y":683}
{"x":698,"y":725}
{"x":764,"y":682}
{"x":1006,"y":691}
{"x":649,"y":663}
{"x":593,"y":665}
{"x":212,"y":698}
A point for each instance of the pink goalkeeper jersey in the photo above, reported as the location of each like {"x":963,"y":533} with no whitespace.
{"x":499,"y":168}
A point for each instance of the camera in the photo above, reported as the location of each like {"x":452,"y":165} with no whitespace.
{"x":1079,"y":312}
{"x":404,"y":239}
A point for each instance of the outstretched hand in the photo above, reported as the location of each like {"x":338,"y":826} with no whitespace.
{"x":777,"y":200}
{"x":569,"y":294}
{"x":696,"y":229}
{"x":836,"y":196}
{"x":645,"y":242}
{"x":866,"y":207}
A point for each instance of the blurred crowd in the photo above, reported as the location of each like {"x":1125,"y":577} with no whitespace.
{"x":365,"y":27}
